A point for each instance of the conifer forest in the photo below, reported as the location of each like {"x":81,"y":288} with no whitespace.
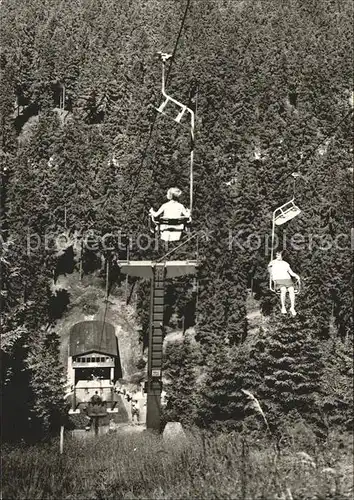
{"x":85,"y":153}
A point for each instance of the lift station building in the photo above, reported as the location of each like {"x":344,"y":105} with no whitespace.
{"x":93,"y":359}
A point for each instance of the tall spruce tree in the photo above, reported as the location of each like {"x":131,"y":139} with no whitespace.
{"x":285,"y":370}
{"x":221,"y":402}
{"x":180,"y":370}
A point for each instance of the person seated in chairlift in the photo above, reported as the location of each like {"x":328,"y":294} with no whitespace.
{"x":172,"y":209}
{"x":281,"y":274}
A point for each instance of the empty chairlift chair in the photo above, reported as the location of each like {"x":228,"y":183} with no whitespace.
{"x":289,"y":210}
{"x":169,"y":99}
{"x":285,"y":213}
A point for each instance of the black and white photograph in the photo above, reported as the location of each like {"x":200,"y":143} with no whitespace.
{"x":176,"y":249}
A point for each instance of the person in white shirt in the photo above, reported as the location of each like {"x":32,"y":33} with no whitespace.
{"x":171,"y":210}
{"x":135,"y":409}
{"x":281,"y":274}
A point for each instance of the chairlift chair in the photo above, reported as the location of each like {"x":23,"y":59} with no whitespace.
{"x":163,"y":224}
{"x":297,"y":286}
{"x":281,"y":215}
{"x":285,"y":213}
{"x":169,"y":99}
{"x":170,"y":229}
{"x":289,"y":210}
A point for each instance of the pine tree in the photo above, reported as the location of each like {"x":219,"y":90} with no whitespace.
{"x":180,"y":370}
{"x":285,"y":370}
{"x":46,"y":381}
{"x":221,"y":402}
{"x":337,"y":385}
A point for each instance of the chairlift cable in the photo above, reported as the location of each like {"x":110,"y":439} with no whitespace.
{"x":178,"y":246}
{"x":155,"y":116}
{"x":312,"y":151}
{"x":144,"y":155}
{"x":289,"y":210}
{"x":177,"y":39}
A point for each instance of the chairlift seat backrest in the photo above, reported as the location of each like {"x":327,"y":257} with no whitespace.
{"x":171,"y":229}
{"x":173,"y":222}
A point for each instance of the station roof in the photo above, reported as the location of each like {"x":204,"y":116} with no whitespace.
{"x":93,"y":336}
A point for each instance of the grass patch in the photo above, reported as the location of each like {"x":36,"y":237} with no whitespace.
{"x":140,"y":466}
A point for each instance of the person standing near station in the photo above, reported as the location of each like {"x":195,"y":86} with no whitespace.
{"x":96,"y":399}
{"x":135,"y":410}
